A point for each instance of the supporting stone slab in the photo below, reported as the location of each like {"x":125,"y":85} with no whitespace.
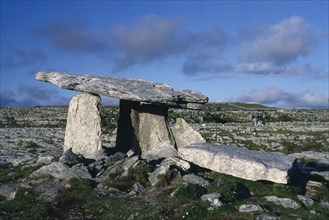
{"x":142,"y":127}
{"x":83,"y":128}
{"x":184,"y":134}
{"x":241,"y":162}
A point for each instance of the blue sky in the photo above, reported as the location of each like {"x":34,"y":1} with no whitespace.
{"x":269,"y":52}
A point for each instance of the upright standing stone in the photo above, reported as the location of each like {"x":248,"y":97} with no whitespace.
{"x":184,"y":134}
{"x":142,"y":127}
{"x":152,"y":127}
{"x":83,"y":128}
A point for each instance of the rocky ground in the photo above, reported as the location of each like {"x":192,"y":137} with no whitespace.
{"x":35,"y":183}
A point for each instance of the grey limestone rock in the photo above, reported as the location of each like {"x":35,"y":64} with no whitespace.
{"x":305,"y":200}
{"x":153,"y":177}
{"x":241,"y":162}
{"x":194,"y":179}
{"x":266,"y":217}
{"x":8,"y":191}
{"x":43,"y":160}
{"x":59,"y":170}
{"x":213,"y":198}
{"x":69,"y":158}
{"x":83,"y":128}
{"x":250,"y":208}
{"x":285,"y":202}
{"x":125,"y":88}
{"x":184,"y":134}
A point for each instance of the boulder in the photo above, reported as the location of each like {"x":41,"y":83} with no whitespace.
{"x":241,"y":162}
{"x":266,"y":217}
{"x":69,"y":158}
{"x":8,"y":191}
{"x":194,"y":179}
{"x":59,"y":170}
{"x":305,"y":200}
{"x":250,"y":208}
{"x":184,"y":134}
{"x":213,"y":198}
{"x":153,"y":177}
{"x":83,"y":128}
{"x":285,"y":202}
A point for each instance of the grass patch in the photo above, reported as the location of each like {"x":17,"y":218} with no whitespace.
{"x":8,"y":172}
{"x":25,"y":206}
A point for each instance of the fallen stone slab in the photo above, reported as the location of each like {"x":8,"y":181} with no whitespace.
{"x":241,"y":162}
{"x":125,"y":88}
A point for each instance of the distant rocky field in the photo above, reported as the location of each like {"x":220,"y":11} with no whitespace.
{"x":30,"y":135}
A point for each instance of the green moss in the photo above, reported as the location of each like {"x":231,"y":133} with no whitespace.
{"x":189,"y":191}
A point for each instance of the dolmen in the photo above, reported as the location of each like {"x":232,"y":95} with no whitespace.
{"x":143,"y":127}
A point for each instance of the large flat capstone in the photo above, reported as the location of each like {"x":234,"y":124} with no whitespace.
{"x":126,"y":89}
{"x":241,"y":162}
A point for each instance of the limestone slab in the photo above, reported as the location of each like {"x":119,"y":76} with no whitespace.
{"x":241,"y":162}
{"x":184,"y":134}
{"x":126,"y":88}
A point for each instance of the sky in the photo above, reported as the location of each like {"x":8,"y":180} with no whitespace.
{"x":269,"y":52}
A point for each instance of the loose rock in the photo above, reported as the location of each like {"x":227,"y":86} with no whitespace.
{"x":285,"y":202}
{"x":250,"y":208}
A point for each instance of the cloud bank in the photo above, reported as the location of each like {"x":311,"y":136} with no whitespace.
{"x":278,"y":97}
{"x":32,"y":96}
{"x":272,"y":49}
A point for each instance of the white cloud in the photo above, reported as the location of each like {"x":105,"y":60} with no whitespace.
{"x":277,"y":97}
{"x":282,"y":43}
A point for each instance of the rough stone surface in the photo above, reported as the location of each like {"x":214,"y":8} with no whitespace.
{"x":323,"y":174}
{"x":83,"y":128}
{"x":8,"y":191}
{"x":241,"y":162}
{"x":69,"y":158}
{"x":285,"y":202}
{"x":305,"y":200}
{"x":194,"y":179}
{"x":152,"y":129}
{"x":153,"y":177}
{"x":178,"y":162}
{"x":125,"y":88}
{"x":250,"y":208}
{"x":266,"y":217}
{"x":213,"y":198}
{"x":184,"y":134}
{"x":163,"y":150}
{"x":59,"y":170}
{"x":43,"y":160}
